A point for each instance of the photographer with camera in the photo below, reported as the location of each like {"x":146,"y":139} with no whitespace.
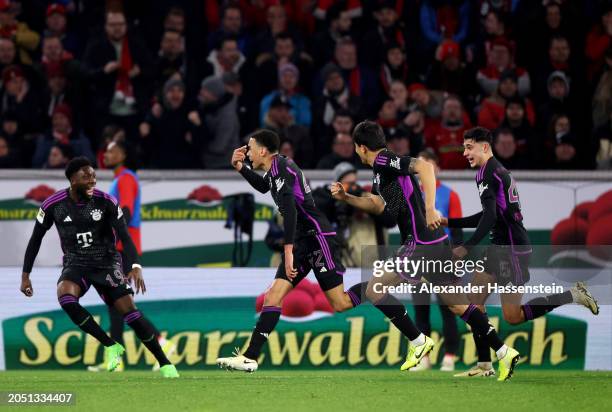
{"x":354,"y":228}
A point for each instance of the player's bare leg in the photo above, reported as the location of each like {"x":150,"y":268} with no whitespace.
{"x":145,"y":332}
{"x":268,"y":319}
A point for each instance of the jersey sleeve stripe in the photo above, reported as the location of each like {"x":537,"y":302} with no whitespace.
{"x":49,"y":202}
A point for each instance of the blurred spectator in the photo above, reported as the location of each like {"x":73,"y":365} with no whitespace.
{"x":288,"y":75}
{"x":268,"y":65}
{"x":21,"y":99}
{"x":8,"y":53}
{"x":172,"y":137}
{"x":444,"y":19}
{"x":398,"y":144}
{"x":501,"y":59}
{"x":226,"y":58}
{"x":337,"y":26}
{"x":59,"y":156}
{"x":26,"y":40}
{"x":394,"y":68}
{"x":335,"y":96}
{"x":603,"y":136}
{"x":231,"y":26}
{"x":413,"y":127}
{"x":279,"y":119}
{"x":343,"y":150}
{"x":449,"y":74}
{"x":446,"y":139}
{"x":276,"y":19}
{"x":387,"y":115}
{"x":494,"y":27}
{"x":110,"y":133}
{"x":559,"y":59}
{"x":428,"y":101}
{"x":56,"y":25}
{"x":598,"y":41}
{"x":558,"y":102}
{"x":286,"y":149}
{"x":218,"y":113}
{"x":118,"y":67}
{"x":8,"y":157}
{"x":389,"y":29}
{"x":342,"y":123}
{"x":563,"y":144}
{"x":361,"y":81}
{"x":602,"y":98}
{"x":172,"y":61}
{"x":493,"y":108}
{"x":505,"y":149}
{"x":399,"y":95}
{"x":61,"y":132}
{"x":516,"y":120}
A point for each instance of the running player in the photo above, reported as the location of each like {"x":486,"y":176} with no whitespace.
{"x":507,"y":259}
{"x":309,"y":244}
{"x":88,"y":221}
{"x":395,"y":187}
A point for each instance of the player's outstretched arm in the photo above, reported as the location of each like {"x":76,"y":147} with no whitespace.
{"x":467,"y":221}
{"x":30,"y":256}
{"x":256,"y":181}
{"x":368,"y":202}
{"x":487,"y":219}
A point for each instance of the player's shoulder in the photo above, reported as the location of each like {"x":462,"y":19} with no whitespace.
{"x":286,"y":167}
{"x":105,"y":197}
{"x":54,"y":199}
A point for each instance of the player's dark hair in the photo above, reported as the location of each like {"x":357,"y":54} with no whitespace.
{"x":478,"y":134}
{"x":370,"y":135}
{"x":267,"y":139}
{"x":75,"y":165}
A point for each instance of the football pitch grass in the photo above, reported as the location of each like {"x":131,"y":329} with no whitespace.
{"x":322,"y":390}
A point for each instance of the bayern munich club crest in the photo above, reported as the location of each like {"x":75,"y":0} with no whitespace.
{"x":96,"y":214}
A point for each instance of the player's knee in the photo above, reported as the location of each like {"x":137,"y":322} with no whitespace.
{"x":456,"y":309}
{"x":341,"y":306}
{"x":514,"y":317}
{"x":273,"y":298}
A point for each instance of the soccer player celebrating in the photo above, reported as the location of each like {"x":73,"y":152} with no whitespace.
{"x":125,"y":187}
{"x":88,"y":220}
{"x":396,"y":188}
{"x":309,"y":243}
{"x":508,"y":258}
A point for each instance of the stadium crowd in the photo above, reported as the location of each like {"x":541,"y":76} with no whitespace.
{"x":184,"y":81}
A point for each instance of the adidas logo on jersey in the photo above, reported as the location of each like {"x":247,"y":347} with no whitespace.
{"x":323,"y":269}
{"x":395,"y":163}
{"x":481,"y":188}
{"x":279,"y":183}
{"x":67,"y":219}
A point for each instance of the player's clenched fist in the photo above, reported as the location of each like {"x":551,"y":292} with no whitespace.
{"x":238,"y":157}
{"x":337,"y":191}
{"x":433,"y":218}
{"x":26,"y":285}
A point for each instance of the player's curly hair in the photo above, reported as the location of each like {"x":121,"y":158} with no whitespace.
{"x":75,"y":165}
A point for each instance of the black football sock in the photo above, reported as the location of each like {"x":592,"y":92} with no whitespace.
{"x":116,"y":325}
{"x":357,"y":293}
{"x":146,"y":333}
{"x":541,"y":306}
{"x":482,"y":347}
{"x":265,"y":325}
{"x":83,"y":319}
{"x":480,"y":325}
{"x":398,"y":315}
